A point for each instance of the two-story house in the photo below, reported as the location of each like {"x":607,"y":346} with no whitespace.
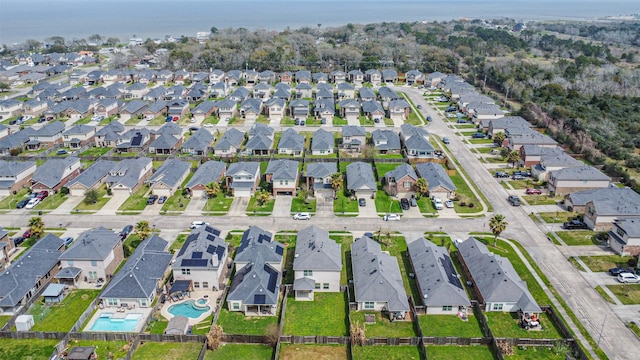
{"x":317,"y":263}
{"x":96,"y":253}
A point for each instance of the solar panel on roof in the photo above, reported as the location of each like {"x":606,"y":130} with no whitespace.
{"x":219,"y":252}
{"x":196,"y":255}
{"x":264,"y":237}
{"x":273,"y":278}
{"x":279,"y":250}
{"x":194,"y":262}
{"x":136,"y":140}
{"x":211,"y":238}
{"x":211,"y":249}
{"x":451,"y":271}
{"x":259,"y":299}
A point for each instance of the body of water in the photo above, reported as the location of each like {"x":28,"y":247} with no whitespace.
{"x":38,"y":19}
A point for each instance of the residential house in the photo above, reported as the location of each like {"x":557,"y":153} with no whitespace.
{"x":481,"y":111}
{"x":255,"y":289}
{"x":55,"y":173}
{"x":133,"y":140}
{"x":507,"y":122}
{"x":624,"y":237}
{"x":385,"y":141}
{"x":219,"y":90}
{"x":286,"y":77}
{"x":9,"y":108}
{"x":14,"y":175}
{"x":109,"y":135}
{"x":389,"y":76}
{"x":27,"y":276}
{"x":346,"y":91}
{"x":78,"y":136}
{"x":4,"y":131}
{"x":531,"y":155}
{"x":495,"y":281}
{"x":360,"y":180}
{"x":338,"y":76}
{"x":207,"y":173}
{"x":169,"y":176}
{"x":353,"y":137}
{"x":34,"y":107}
{"x":243,"y":178}
{"x":198,"y":143}
{"x":291,"y":143}
{"x":577,"y":178}
{"x":304,"y":90}
{"x":203,"y":110}
{"x":319,"y":177}
{"x":47,"y":136}
{"x":601,"y":212}
{"x":106,"y":107}
{"x":528,"y":137}
{"x":177,"y":108}
{"x":324,"y":109}
{"x":350,"y":109}
{"x":373,"y":110}
{"x":128,"y":175}
{"x":97,"y":253}
{"x":6,"y":248}
{"x":250,"y":109}
{"x":282,"y":91}
{"x":275,"y":109}
{"x":320,"y":78}
{"x":373,"y":76}
{"x":267,"y":76}
{"x":181,"y":76}
{"x":299,"y":109}
{"x":165,"y":144}
{"x":227,"y":109}
{"x":440,"y":184}
{"x":78,"y":109}
{"x":251,"y":77}
{"x":434,"y":78}
{"x":577,"y":201}
{"x":262,"y":91}
{"x":158,"y":108}
{"x":377,"y":280}
{"x":416,"y":141}
{"x":91,"y":178}
{"x":325,"y":92}
{"x":240,"y":94}
{"x":552,"y":162}
{"x":216,"y":76}
{"x":322,"y":143}
{"x":441,"y":291}
{"x":142,"y":276}
{"x":282,"y":174}
{"x":229,"y":144}
{"x":131,"y":109}
{"x":202,"y":259}
{"x":356,"y":77}
{"x":135,"y":91}
{"x":399,"y":110}
{"x":317,"y":263}
{"x":260,"y":139}
{"x":366,"y":94}
{"x":400,"y":181}
{"x":414,"y":77}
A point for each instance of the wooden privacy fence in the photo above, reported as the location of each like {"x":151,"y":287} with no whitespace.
{"x":244,"y":339}
{"x":329,"y":340}
{"x":410,"y":341}
{"x":441,"y":340}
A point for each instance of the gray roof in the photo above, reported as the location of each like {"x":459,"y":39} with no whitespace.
{"x":321,"y":169}
{"x":583,"y":173}
{"x":372,"y":106}
{"x":282,"y":169}
{"x":95,"y":244}
{"x":260,"y":129}
{"x":385,"y":139}
{"x":170,"y":172}
{"x":398,"y":104}
{"x":127,"y":172}
{"x":243,"y":167}
{"x":528,"y":136}
{"x":259,"y":142}
{"x":203,"y":249}
{"x":510,"y":122}
{"x":495,"y":277}
{"x":360,"y":177}
{"x":386,"y":92}
{"x":79,"y":130}
{"x":170,"y":128}
{"x":164,"y":141}
{"x":366,"y":93}
{"x":560,"y":158}
{"x":204,"y":107}
{"x":630,"y":226}
{"x":139,"y":276}
{"x":114,"y":126}
{"x":256,"y":241}
{"x":257,"y":283}
{"x":21,"y":276}
{"x":209,"y":172}
{"x":290,"y":139}
{"x":408,"y":131}
{"x":322,"y":140}
{"x":400,"y":172}
{"x":199,"y":140}
{"x":435,"y":176}
{"x":52,"y":128}
{"x":419,"y":143}
{"x":376,"y":275}
{"x":251,"y":105}
{"x":133,"y":107}
{"x":353,"y":130}
{"x":14,"y":168}
{"x":50,"y":173}
{"x":617,"y":205}
{"x":94,"y":173}
{"x":316,"y":251}
{"x":177,"y":325}
{"x":231,"y":138}
{"x":437,"y":278}
{"x":611,"y":195}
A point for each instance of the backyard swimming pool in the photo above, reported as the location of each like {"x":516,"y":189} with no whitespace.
{"x":189,"y":309}
{"x":106,"y":322}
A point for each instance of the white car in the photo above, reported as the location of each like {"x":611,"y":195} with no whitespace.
{"x":448,"y":203}
{"x":208,"y":125}
{"x":391,"y":217}
{"x":437,"y":203}
{"x":627,"y":277}
{"x":27,"y":117}
{"x":32,"y":203}
{"x":197,"y":224}
{"x":302,"y":216}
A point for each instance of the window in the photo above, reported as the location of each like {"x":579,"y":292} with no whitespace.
{"x":497,"y":306}
{"x":112,"y":302}
{"x":69,"y":262}
{"x":236,"y":306}
{"x":447,"y":308}
{"x":407,"y":184}
{"x":620,"y":232}
{"x":205,"y":284}
{"x":94,"y":263}
{"x":325,"y":286}
{"x":143,"y":302}
{"x":186,"y":271}
{"x":368,"y":305}
{"x":308,"y":272}
{"x":196,"y":284}
{"x":317,"y":286}
{"x":93,"y":275}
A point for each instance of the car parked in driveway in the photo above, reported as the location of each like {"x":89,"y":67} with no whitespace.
{"x":302,"y":216}
{"x":627,"y":277}
{"x":501,"y":174}
{"x":162,"y":199}
{"x":517,"y":177}
{"x":391,"y":217}
{"x":404,"y":204}
{"x":616,"y":271}
{"x":437,"y":203}
{"x":22,"y":203}
{"x":32,"y":203}
{"x":27,"y":234}
{"x":362,"y":202}
{"x":449,"y":204}
{"x":478,"y":135}
{"x":152,"y":199}
{"x":126,"y":231}
{"x":530,"y":191}
{"x":514,"y":200}
{"x":67,"y":241}
{"x":574,"y":224}
{"x":18,"y":240}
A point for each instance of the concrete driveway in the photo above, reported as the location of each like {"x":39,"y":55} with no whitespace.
{"x":68,"y":205}
{"x":110,"y":208}
{"x":324,"y":204}
{"x":195,"y":206}
{"x":368,"y":211}
{"x":239,"y":206}
{"x":282,"y":206}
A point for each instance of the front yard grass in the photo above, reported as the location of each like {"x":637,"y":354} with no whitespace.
{"x":459,"y":352}
{"x":167,"y":351}
{"x":234,"y":322}
{"x":178,"y":242}
{"x":26,"y":348}
{"x":604,"y":295}
{"x":103,"y":348}
{"x":578,"y":237}
{"x":265,"y":209}
{"x":385,"y":204}
{"x":52,"y":201}
{"x":10,"y":202}
{"x":386,"y":352}
{"x":605,"y":262}
{"x":102,"y":199}
{"x":426,"y":206}
{"x":62,"y":316}
{"x":464,"y":194}
{"x":383,"y":327}
{"x":298,"y":204}
{"x":628,"y":294}
{"x":449,"y":325}
{"x":541,"y":199}
{"x":240,"y":352}
{"x":552,"y":217}
{"x":218,"y":205}
{"x":305,"y":352}
{"x":325,"y":316}
{"x":176,"y":202}
{"x":344,"y":204}
{"x":507,"y":325}
{"x":137,"y":201}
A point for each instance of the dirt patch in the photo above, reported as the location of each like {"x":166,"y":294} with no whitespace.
{"x":316,"y":352}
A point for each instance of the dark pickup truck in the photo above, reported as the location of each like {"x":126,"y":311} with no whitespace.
{"x":574,"y":224}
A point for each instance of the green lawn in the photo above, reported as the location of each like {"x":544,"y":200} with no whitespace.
{"x":219,"y":205}
{"x":449,"y":325}
{"x":338,"y":121}
{"x":95,"y":151}
{"x":137,"y":201}
{"x":158,"y":120}
{"x":459,"y":352}
{"x":541,"y":199}
{"x":398,"y":247}
{"x":604,"y":295}
{"x":383,"y":327}
{"x":261,"y":210}
{"x":299,"y":204}
{"x":134,"y":121}
{"x":386,"y":204}
{"x":177,"y":244}
{"x":203,"y":326}
{"x":167,"y":351}
{"x":426,"y":206}
{"x":306,"y":352}
{"x":103,"y":348}
{"x":29,"y":349}
{"x":344,"y":204}
{"x":10,"y":202}
{"x":345,"y":242}
{"x":536,"y":353}
{"x":52,"y":202}
{"x":383,"y":168}
{"x":158,"y":326}
{"x":507,"y":325}
{"x":465,"y":195}
{"x":605,"y":262}
{"x":557,"y":216}
{"x":628,"y":294}
{"x":4,"y":320}
{"x":240,"y":352}
{"x":102,"y":199}
{"x":176,"y":202}
{"x":325,"y":315}
{"x":386,"y":352}
{"x":578,"y":237}
{"x":234,"y":322}
{"x":62,"y":316}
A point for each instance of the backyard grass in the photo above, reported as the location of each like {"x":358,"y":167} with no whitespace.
{"x":604,"y":295}
{"x":26,"y":348}
{"x":325,"y":315}
{"x":344,"y":204}
{"x":306,"y":352}
{"x":557,"y":216}
{"x":386,"y":352}
{"x":605,"y":262}
{"x":261,"y":210}
{"x":386,"y":204}
{"x":95,"y":151}
{"x":383,"y":327}
{"x":383,"y":168}
{"x":4,"y":320}
{"x":167,"y":351}
{"x":135,"y":202}
{"x":218,"y":205}
{"x":102,"y":199}
{"x":507,"y":325}
{"x":298,"y":204}
{"x":536,"y":353}
{"x":628,"y":294}
{"x":159,"y":325}
{"x":234,"y":322}
{"x":62,"y":316}
{"x":103,"y":348}
{"x":578,"y":237}
{"x":449,"y":325}
{"x":52,"y":201}
{"x":345,"y":242}
{"x":459,"y":352}
{"x":398,"y":247}
{"x":203,"y":326}
{"x":240,"y":352}
{"x":178,"y":242}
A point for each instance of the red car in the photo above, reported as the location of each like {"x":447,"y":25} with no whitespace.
{"x":531,"y":191}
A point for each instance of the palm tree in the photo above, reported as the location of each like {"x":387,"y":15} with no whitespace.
{"x":262,"y":196}
{"x":212,"y":189}
{"x":514,"y":157}
{"x":422,"y":187}
{"x":498,"y":138}
{"x":336,"y":181}
{"x":142,"y":229}
{"x":36,"y":225}
{"x":497,"y":224}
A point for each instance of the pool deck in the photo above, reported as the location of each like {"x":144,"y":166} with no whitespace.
{"x":120,"y":315}
{"x":195,"y":295}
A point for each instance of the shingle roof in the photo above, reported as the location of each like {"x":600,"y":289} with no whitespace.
{"x":164,"y":141}
{"x":385,"y":140}
{"x":170,"y":173}
{"x":79,"y":130}
{"x":127,"y":172}
{"x":321,"y":169}
{"x":257,"y":283}
{"x":353,"y":130}
{"x":199,"y":140}
{"x":243,"y":167}
{"x":94,"y":173}
{"x":231,"y":138}
{"x":257,"y":241}
{"x":435,"y":176}
{"x":50,"y":173}
{"x":360,"y":177}
{"x":282,"y":169}
{"x":322,"y":140}
{"x":290,"y":139}
{"x":583,"y":173}
{"x":203,"y":249}
{"x":400,"y":172}
{"x":209,"y":172}
{"x":316,"y":251}
{"x":95,"y":244}
{"x":14,"y":168}
{"x":611,"y":195}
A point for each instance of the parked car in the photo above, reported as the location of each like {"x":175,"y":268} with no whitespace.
{"x":67,"y":241}
{"x":61,"y":151}
{"x":627,"y":277}
{"x":198,"y":223}
{"x":445,"y":140}
{"x":413,"y":201}
{"x":429,"y":118}
{"x":531,"y":191}
{"x":42,"y":195}
{"x":478,"y":135}
{"x":514,"y":200}
{"x":501,"y":174}
{"x":616,"y":271}
{"x":17,"y":241}
{"x":391,"y":217}
{"x":32,"y":203}
{"x":404,"y":203}
{"x":152,"y":199}
{"x":362,"y":202}
{"x":451,"y":109}
{"x":302,"y":216}
{"x":522,"y":173}
{"x":517,"y":177}
{"x":162,"y":199}
{"x":574,"y":224}
{"x":449,"y":204}
{"x":22,"y":203}
{"x":419,"y":106}
{"x":437,"y":203}
{"x":126,"y":231}
{"x":462,"y":121}
{"x":27,"y":234}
